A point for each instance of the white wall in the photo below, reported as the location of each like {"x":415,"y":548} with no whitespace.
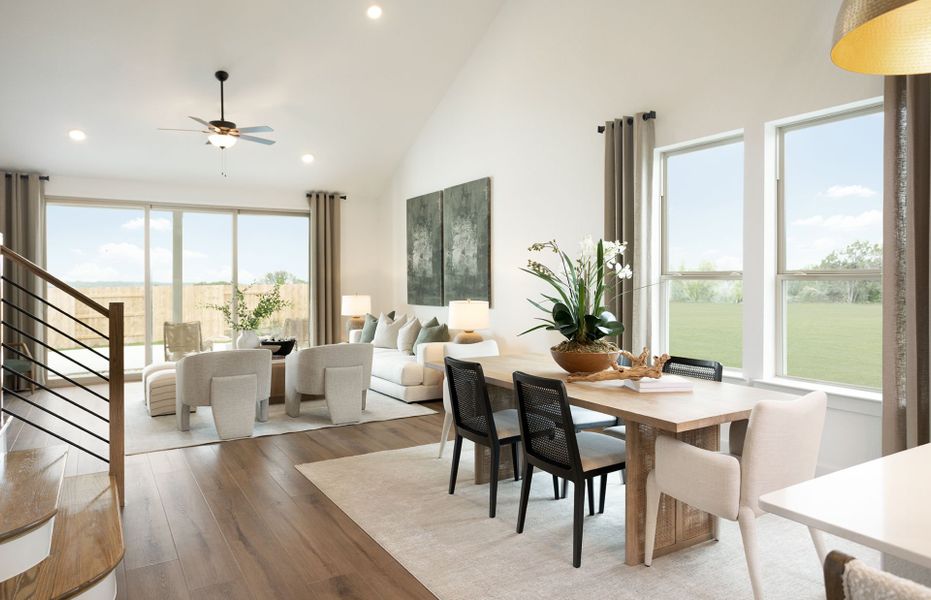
{"x":360,"y":234}
{"x":524,"y":108}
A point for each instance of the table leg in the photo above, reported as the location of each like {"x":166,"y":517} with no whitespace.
{"x":678,"y":524}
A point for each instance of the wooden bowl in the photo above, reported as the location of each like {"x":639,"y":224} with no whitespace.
{"x":584,"y":362}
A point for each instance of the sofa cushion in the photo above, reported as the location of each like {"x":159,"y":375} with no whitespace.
{"x":397,"y":367}
{"x":438,"y":333}
{"x":368,"y":329}
{"x":408,"y":335}
{"x":386,"y":333}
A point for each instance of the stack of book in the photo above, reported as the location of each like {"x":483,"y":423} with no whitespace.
{"x":666,"y":383}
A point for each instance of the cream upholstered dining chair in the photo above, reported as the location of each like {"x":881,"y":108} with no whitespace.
{"x":777,"y":448}
{"x":485,"y":348}
{"x":846,"y":578}
{"x":341,"y":373}
{"x":236,"y":384}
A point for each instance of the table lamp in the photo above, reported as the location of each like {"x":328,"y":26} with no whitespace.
{"x":468,"y":315}
{"x":355,"y":307}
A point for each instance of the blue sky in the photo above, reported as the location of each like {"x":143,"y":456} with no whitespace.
{"x":833,"y":196}
{"x":107,"y":244}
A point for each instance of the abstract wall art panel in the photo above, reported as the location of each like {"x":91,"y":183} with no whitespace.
{"x":425,"y":250}
{"x":466,"y":241}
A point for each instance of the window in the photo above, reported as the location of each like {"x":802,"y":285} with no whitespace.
{"x":702,"y":255}
{"x":193,"y":257}
{"x":830,"y":249}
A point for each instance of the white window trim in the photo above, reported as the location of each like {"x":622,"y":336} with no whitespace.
{"x":784,"y":275}
{"x":666,"y":274}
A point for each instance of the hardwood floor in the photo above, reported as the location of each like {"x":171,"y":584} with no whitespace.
{"x":236,"y":520}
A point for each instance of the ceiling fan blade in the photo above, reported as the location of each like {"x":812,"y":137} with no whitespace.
{"x":252,"y":138}
{"x":202,"y":122}
{"x":257,"y":129}
{"x":171,"y":129}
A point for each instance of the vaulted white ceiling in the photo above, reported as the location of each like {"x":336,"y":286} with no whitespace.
{"x":351,"y":91}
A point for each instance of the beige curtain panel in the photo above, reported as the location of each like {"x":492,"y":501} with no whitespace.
{"x":22,"y":222}
{"x":325,"y":270}
{"x":906,"y":261}
{"x":629,"y":146}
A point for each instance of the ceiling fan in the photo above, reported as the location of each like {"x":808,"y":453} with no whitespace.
{"x":222,"y":133}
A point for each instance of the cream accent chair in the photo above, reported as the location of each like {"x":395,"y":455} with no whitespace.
{"x":182,"y":339}
{"x":460,"y":351}
{"x":236,"y":384}
{"x":777,"y":448}
{"x":340,"y":372}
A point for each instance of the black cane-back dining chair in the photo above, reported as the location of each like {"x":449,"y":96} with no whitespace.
{"x":710,"y":370}
{"x":551,"y":443}
{"x":475,"y":421}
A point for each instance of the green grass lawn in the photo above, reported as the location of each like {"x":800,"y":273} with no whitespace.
{"x":830,"y":342}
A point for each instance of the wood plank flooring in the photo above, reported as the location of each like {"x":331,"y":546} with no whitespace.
{"x":236,"y":521}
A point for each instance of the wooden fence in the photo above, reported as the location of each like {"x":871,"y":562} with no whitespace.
{"x":195,"y":299}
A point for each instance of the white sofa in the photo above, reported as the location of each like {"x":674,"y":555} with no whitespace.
{"x":404,"y":376}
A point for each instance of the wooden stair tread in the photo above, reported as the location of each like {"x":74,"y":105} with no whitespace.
{"x":31,"y":482}
{"x":87,"y":543}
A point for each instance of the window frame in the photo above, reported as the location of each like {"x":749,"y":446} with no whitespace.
{"x":668,"y":275}
{"x":181,"y":208}
{"x":784,"y":275}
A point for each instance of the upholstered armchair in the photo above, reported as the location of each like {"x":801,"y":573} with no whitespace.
{"x":341,"y":373}
{"x":777,"y":448}
{"x":236,"y":384}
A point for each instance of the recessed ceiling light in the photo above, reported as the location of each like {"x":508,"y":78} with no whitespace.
{"x":77,"y":135}
{"x":307,"y":159}
{"x":374,"y":12}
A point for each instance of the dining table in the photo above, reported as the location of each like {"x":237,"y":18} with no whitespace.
{"x":694,"y":417}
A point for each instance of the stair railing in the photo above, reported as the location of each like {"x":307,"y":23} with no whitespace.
{"x":114,"y":373}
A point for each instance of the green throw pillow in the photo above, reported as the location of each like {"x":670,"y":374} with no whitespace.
{"x":431,"y":333}
{"x":368,"y":330}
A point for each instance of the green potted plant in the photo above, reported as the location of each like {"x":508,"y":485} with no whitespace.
{"x":577,"y":309}
{"x":246,"y":321}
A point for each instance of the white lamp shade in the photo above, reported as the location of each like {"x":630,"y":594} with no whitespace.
{"x":356,"y":306}
{"x":468,"y":314}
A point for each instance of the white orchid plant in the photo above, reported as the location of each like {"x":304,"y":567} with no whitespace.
{"x":578,"y":311}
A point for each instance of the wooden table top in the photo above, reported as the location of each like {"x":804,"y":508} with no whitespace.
{"x":882,"y":504}
{"x":709,"y":403}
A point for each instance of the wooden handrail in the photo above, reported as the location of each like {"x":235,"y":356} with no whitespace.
{"x":48,"y":277}
{"x":117,"y":428}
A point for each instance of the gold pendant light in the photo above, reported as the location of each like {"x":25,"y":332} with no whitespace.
{"x":883,"y":37}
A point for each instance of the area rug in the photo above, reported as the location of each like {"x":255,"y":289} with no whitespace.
{"x":150,"y":434}
{"x":450,"y":545}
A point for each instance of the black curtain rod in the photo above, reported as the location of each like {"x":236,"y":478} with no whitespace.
{"x":341,"y":196}
{"x":41,"y":177}
{"x":630,"y":120}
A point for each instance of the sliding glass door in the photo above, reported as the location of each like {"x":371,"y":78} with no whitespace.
{"x":101,"y":252}
{"x":274,"y":250}
{"x":207,"y":271}
{"x":171,"y":264}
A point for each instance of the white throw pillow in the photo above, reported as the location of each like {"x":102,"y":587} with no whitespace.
{"x":386,"y":332}
{"x":408,"y":335}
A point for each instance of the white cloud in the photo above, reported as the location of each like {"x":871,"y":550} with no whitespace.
{"x":193,"y":254}
{"x":849,"y":191}
{"x":869,"y":218}
{"x":121,"y":251}
{"x":92,"y":272}
{"x":156,"y":224}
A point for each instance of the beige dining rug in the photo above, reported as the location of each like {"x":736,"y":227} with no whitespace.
{"x":450,"y":545}
{"x":149,"y":434}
